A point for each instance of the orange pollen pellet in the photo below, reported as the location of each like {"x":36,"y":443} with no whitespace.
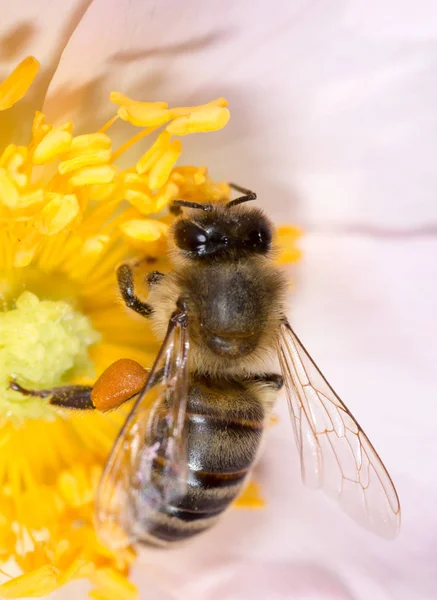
{"x":122,"y":380}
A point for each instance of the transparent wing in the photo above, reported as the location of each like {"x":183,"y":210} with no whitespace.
{"x":335,"y":453}
{"x":148,"y":463}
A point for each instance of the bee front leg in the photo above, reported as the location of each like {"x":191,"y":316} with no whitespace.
{"x":126,"y":285}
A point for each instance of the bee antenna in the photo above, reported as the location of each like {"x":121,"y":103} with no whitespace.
{"x":187,"y":204}
{"x":248,"y":195}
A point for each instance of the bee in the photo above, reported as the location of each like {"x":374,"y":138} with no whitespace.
{"x":194,"y":432}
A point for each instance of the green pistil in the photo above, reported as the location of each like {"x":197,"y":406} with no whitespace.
{"x":43,"y":344}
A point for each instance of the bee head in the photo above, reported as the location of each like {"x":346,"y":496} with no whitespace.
{"x":222,"y":231}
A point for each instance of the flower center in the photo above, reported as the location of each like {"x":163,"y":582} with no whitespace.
{"x":43,"y":344}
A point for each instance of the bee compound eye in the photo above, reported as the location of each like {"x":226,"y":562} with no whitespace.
{"x":189,"y":236}
{"x":260,"y":239}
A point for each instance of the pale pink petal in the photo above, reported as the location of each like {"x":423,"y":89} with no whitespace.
{"x":333,"y":105}
{"x":40,"y":28}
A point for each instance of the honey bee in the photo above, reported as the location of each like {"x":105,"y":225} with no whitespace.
{"x":194,"y":432}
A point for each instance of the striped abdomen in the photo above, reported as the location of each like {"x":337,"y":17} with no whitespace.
{"x":224,"y":428}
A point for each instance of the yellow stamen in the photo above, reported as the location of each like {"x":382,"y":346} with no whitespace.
{"x":144,"y":114}
{"x":56,"y":142}
{"x":9,"y":195}
{"x":13,"y":160}
{"x":250,"y":497}
{"x":35,"y":584}
{"x":184,"y":110}
{"x":143,"y":230}
{"x":208,"y":119}
{"x":14,"y":87}
{"x":31,"y":198}
{"x":155,"y":151}
{"x":93,"y":175}
{"x":168,"y":193}
{"x":142,"y":201}
{"x":119,"y":586}
{"x":89,"y":142}
{"x":108,"y":124}
{"x":164,"y":165}
{"x":103,"y":191}
{"x":57,"y":214}
{"x":123,"y":100}
{"x":136,"y":138}
{"x":94,"y":246}
{"x":85,"y":159}
{"x":286,"y":237}
{"x":39,"y":127}
{"x":26,"y":249}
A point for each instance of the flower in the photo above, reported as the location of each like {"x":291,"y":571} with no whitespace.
{"x":69,"y":216}
{"x":333,"y":126}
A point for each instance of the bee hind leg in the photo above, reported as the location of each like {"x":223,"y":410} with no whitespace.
{"x":76,"y":397}
{"x":120,"y":382}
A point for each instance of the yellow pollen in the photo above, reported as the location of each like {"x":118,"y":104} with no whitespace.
{"x":14,"y":87}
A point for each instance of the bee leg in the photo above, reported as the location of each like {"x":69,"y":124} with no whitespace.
{"x":271,"y":378}
{"x":120,"y":382}
{"x":126,"y":285}
{"x":154,"y":277}
{"x":77,"y":397}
